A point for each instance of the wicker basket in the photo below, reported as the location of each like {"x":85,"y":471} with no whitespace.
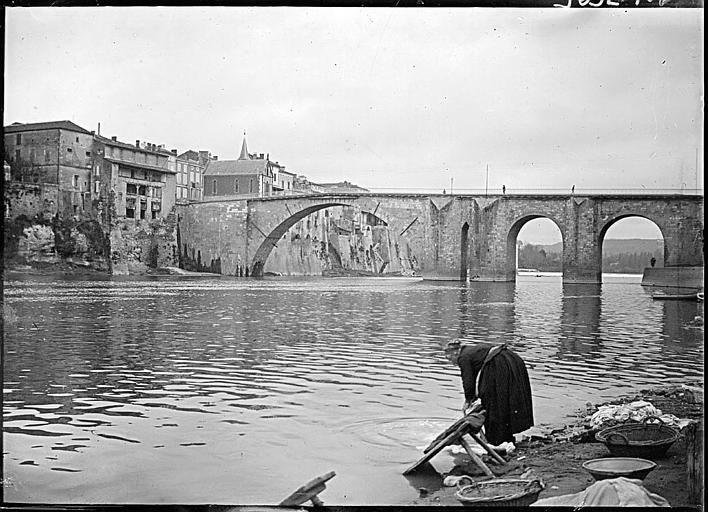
{"x":644,"y":440}
{"x":500,"y":493}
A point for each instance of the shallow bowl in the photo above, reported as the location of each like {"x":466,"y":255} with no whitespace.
{"x":628,"y":467}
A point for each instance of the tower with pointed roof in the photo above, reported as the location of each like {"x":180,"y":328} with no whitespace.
{"x":244,"y":149}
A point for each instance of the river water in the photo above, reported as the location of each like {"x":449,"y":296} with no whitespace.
{"x":238,"y":391}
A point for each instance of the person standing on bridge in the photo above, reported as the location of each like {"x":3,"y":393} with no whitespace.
{"x":496,"y":376}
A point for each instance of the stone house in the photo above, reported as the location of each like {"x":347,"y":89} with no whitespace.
{"x":283,"y":181}
{"x":249,"y":175}
{"x":57,"y":157}
{"x":190,"y":167}
{"x":133,"y":181}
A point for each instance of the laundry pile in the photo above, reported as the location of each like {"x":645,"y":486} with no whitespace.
{"x":638,"y":411}
{"x":613,"y":492}
{"x":505,"y":448}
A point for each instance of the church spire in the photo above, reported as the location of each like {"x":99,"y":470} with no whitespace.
{"x":244,"y":149}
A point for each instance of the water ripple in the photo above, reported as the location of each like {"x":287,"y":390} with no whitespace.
{"x":257,"y":374}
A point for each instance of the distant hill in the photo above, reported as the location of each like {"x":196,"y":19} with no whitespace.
{"x":618,"y":255}
{"x":612,"y":247}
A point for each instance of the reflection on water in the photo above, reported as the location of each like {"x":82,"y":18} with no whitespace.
{"x":238,"y":391}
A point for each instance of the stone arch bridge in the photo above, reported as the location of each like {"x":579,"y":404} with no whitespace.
{"x":450,"y":237}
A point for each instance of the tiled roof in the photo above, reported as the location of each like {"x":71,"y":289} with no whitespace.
{"x":231,"y":167}
{"x":120,"y":144}
{"x":140,"y":165}
{"x":341,"y":186}
{"x":51,"y":125}
{"x":189,"y":155}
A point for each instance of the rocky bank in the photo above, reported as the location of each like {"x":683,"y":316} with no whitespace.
{"x":556,"y":453}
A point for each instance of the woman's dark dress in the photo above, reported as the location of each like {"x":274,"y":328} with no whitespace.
{"x":504,"y":390}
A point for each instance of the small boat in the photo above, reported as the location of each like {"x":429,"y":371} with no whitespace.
{"x":697,"y":296}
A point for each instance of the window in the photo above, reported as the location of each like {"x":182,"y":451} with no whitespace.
{"x":213,"y":187}
{"x":154,"y":214}
{"x":96,"y":187}
{"x":75,"y":181}
{"x":130,"y":188}
{"x":77,"y":139}
{"x":69,"y":150}
{"x":236,"y":186}
{"x":142,"y":213}
{"x":46,"y":156}
{"x":88,"y":153}
{"x":142,"y":190}
{"x":97,"y":171}
{"x":157,"y":192}
{"x":250,"y":186}
{"x":130,"y":213}
{"x":17,"y":155}
{"x":18,"y":139}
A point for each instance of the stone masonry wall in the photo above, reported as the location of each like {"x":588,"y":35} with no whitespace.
{"x":140,"y":246}
{"x":212,"y":237}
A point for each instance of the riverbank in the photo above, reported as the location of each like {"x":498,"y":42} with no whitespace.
{"x":556,"y":453}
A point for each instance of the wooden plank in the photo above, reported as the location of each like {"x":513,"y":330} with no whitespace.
{"x":442,"y":443}
{"x":489,"y":449}
{"x":475,"y":421}
{"x":446,"y":433}
{"x":308,"y":491}
{"x":476,"y":458}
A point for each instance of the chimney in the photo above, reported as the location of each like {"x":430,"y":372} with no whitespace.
{"x":93,"y":132}
{"x":261,"y":156}
{"x":137,"y":143}
{"x":99,"y":128}
{"x":114,"y":138}
{"x":216,"y":157}
{"x":174,"y":151}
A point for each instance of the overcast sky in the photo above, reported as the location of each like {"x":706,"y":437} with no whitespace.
{"x":382,"y":97}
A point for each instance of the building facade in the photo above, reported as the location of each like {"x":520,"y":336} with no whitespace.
{"x":58,"y":156}
{"x":283,"y":181}
{"x":134,"y":181}
{"x":190,"y":174}
{"x":250,"y":174}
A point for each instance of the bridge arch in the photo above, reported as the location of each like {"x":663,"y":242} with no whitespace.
{"x":613,"y":220}
{"x":513,"y":234}
{"x":271,"y":239}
